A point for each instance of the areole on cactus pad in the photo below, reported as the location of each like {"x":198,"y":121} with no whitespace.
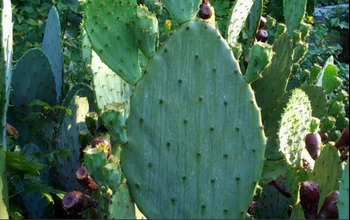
{"x":194,"y":130}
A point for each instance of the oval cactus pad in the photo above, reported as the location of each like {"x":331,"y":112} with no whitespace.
{"x":194,"y":131}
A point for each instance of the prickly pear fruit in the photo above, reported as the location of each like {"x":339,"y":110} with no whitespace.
{"x":263,"y":22}
{"x":309,"y":198}
{"x":329,"y":209}
{"x":104,"y":144}
{"x":77,"y":202}
{"x":313,"y":144}
{"x":205,"y":11}
{"x":84,"y":179}
{"x":324,"y":137}
{"x":262,"y":35}
{"x":146,"y":31}
{"x":344,"y":138}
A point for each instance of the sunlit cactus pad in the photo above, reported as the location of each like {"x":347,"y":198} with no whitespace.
{"x":195,"y":139}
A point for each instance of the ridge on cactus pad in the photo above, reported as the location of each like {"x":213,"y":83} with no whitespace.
{"x":194,"y":130}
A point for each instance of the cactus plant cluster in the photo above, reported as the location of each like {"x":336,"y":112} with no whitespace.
{"x":171,"y":123}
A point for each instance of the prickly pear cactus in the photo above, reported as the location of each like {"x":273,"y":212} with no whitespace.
{"x":293,"y":13}
{"x":344,"y":193}
{"x":113,"y":194}
{"x":52,"y":47}
{"x":80,"y":101}
{"x":146,"y":31}
{"x":108,"y":87}
{"x":182,"y":10}
{"x":327,"y":171}
{"x":239,"y":15}
{"x":194,"y":130}
{"x":294,"y":125}
{"x":108,"y":25}
{"x":32,"y":79}
{"x":5,"y":82}
{"x":260,"y":58}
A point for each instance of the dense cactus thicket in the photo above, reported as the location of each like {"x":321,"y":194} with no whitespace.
{"x":181,"y":119}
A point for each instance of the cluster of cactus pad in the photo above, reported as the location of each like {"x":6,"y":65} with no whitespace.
{"x":173,"y":128}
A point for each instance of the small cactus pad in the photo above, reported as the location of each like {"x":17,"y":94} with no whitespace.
{"x":109,"y":27}
{"x":146,"y":31}
{"x":260,"y":56}
{"x":194,"y":130}
{"x":182,"y":10}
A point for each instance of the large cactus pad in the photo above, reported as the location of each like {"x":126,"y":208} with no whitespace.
{"x":194,"y":131}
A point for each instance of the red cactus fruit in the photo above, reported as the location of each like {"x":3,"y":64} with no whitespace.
{"x":262,"y":35}
{"x":75,"y":202}
{"x":263,"y":22}
{"x":205,"y":12}
{"x":344,"y":138}
{"x":245,"y":61}
{"x":329,"y":209}
{"x":324,"y":137}
{"x":85,"y":180}
{"x":309,"y":197}
{"x":313,"y":144}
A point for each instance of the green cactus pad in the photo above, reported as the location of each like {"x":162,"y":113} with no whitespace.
{"x":270,"y":88}
{"x":318,"y":100}
{"x":294,"y":126}
{"x":194,"y":130}
{"x":109,"y":88}
{"x":32,"y":79}
{"x":182,"y":10}
{"x":239,"y":15}
{"x":343,"y":202}
{"x":260,"y":56}
{"x":146,"y":31}
{"x":109,"y":27}
{"x":253,"y":22}
{"x":327,"y":171}
{"x":79,"y":101}
{"x":6,"y":35}
{"x":121,"y":206}
{"x":52,"y":47}
{"x":294,"y":11}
